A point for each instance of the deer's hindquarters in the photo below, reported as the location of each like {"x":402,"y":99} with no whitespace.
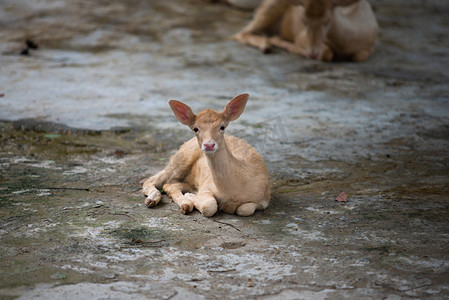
{"x":246,"y":209}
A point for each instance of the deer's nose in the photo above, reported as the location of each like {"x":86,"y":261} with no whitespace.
{"x":209,"y":146}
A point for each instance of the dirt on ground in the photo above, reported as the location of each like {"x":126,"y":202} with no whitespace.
{"x":85,"y":118}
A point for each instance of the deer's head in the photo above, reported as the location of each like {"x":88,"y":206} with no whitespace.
{"x":209,"y":125}
{"x":317,"y":19}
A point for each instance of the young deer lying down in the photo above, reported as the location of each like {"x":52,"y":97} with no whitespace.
{"x":318,"y":29}
{"x":212,"y":171}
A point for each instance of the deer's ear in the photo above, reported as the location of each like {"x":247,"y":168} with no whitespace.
{"x":235,"y":107}
{"x":182,"y":112}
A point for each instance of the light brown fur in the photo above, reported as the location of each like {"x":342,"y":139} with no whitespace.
{"x":233,"y":178}
{"x":318,"y":29}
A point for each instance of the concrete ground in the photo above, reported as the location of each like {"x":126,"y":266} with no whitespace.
{"x":85,"y":118}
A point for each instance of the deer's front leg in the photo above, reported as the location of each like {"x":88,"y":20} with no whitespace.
{"x":150,"y":188}
{"x":294,"y":48}
{"x":299,"y":47}
{"x":205,"y":202}
{"x":266,"y":17}
{"x":259,"y":41}
{"x":175,"y":191}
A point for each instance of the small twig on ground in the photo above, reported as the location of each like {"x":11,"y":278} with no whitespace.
{"x":66,"y":188}
{"x":221,"y":271}
{"x":135,"y":191}
{"x":135,"y":243}
{"x":140,"y":246}
{"x":120,"y":214}
{"x":416,"y":287}
{"x":173,"y":295}
{"x":227,"y":224}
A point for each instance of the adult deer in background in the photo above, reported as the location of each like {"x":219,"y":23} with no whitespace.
{"x":317,"y":29}
{"x":212,"y":171}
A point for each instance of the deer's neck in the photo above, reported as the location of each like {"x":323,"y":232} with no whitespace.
{"x":224,"y":167}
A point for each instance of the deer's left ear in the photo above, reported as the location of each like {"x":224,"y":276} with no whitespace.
{"x":235,"y":107}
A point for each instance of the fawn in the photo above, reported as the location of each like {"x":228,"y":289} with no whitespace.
{"x":317,"y":29}
{"x":212,"y":171}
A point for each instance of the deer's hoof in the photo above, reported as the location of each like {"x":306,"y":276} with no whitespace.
{"x":186,"y":208}
{"x":153,"y":198}
{"x":265,"y":50}
{"x":150,"y":202}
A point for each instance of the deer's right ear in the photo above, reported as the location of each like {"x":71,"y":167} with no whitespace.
{"x":182,"y":112}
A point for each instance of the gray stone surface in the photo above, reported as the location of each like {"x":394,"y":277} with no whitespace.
{"x":85,"y":118}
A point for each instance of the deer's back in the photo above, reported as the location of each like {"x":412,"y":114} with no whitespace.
{"x":354,"y":28}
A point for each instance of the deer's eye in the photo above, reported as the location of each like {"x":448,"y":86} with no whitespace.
{"x":222,"y":128}
{"x":195,"y":129}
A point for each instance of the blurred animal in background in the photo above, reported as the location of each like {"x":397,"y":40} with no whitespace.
{"x":318,"y":29}
{"x":212,"y":171}
{"x":245,"y":4}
